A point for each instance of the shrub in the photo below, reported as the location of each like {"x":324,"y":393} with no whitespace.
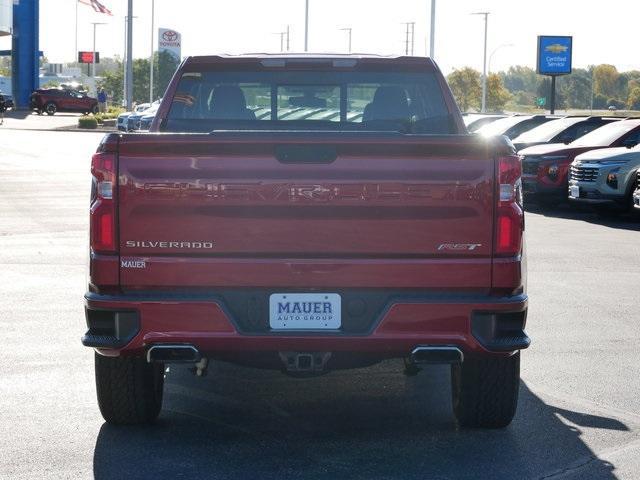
{"x":87,"y":122}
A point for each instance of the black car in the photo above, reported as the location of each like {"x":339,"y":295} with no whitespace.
{"x":8,"y":101}
{"x":563,"y":130}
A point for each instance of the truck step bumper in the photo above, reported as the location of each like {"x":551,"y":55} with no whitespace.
{"x":131,"y":324}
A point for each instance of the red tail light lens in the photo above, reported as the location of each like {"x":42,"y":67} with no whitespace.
{"x":509,"y":213}
{"x":103,"y":215}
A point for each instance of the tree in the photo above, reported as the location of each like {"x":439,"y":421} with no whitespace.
{"x":544,"y":90}
{"x":576,"y":88}
{"x":605,"y":80}
{"x":497,"y":95}
{"x":164,"y":67}
{"x":633,"y":102}
{"x":520,"y":79}
{"x":466,"y":87}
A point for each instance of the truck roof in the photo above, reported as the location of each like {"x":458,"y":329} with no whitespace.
{"x":338,"y":59}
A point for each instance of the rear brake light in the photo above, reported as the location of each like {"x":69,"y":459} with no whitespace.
{"x":509,"y":213}
{"x":103,"y":210}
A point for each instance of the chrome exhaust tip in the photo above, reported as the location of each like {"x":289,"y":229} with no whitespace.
{"x":434,"y":354}
{"x":173,"y":353}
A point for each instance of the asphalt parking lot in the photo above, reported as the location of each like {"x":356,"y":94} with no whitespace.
{"x":578,"y":417}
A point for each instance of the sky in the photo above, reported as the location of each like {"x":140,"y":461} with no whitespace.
{"x":241,"y":26}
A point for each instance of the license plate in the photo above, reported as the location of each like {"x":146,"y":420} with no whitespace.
{"x":305,"y":311}
{"x":574,"y":191}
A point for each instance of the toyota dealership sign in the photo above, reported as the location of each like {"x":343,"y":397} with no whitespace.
{"x":170,"y":41}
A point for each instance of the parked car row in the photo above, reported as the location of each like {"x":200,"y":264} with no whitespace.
{"x":139,"y":119}
{"x":592,"y":160}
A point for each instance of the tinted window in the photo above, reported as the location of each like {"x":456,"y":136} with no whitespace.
{"x":547,"y":131}
{"x":524,"y":126}
{"x":328,"y":100}
{"x":606,"y":135}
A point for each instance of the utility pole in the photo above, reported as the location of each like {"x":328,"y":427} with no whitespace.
{"x":288,"y":37}
{"x":413,"y":36}
{"x":484,"y":65}
{"x":409,"y":37}
{"x":124,"y":62}
{"x":129,"y":82}
{"x":348,"y":30}
{"x":282,"y":36}
{"x":306,"y":25}
{"x":93,"y":60}
{"x":432,"y":32}
{"x":153,"y":6}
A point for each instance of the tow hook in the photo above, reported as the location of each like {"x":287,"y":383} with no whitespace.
{"x":200,"y":368}
{"x":305,"y":362}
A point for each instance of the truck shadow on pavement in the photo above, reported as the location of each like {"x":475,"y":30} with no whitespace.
{"x":240,"y":423}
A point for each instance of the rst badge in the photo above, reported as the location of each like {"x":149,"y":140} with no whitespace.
{"x":304,"y":311}
{"x":459,"y":246}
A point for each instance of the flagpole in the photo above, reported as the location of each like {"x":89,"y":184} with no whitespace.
{"x":75,"y":54}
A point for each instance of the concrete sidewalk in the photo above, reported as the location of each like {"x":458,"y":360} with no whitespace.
{"x":26,"y":120}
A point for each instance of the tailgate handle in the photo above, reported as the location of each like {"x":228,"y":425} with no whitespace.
{"x":306,"y":153}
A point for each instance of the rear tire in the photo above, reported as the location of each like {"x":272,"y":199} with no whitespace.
{"x":50,"y":108}
{"x":129,"y":389}
{"x":485,"y":391}
{"x":95,"y":109}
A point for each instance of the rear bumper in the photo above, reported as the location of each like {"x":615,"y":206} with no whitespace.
{"x":476,"y":324}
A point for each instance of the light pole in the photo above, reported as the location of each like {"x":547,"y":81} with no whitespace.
{"x":484,"y":64}
{"x":504,"y":45}
{"x":306,"y":25}
{"x":129,"y":77}
{"x":93,"y":60}
{"x":283,"y":35}
{"x":153,"y":7}
{"x":432,"y":33}
{"x":348,"y":30}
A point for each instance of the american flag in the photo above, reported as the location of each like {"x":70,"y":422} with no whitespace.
{"x":97,"y":6}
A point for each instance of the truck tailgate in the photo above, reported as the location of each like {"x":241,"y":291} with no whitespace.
{"x":315,"y":209}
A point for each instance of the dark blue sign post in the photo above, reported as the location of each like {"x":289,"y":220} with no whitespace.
{"x":554,"y":59}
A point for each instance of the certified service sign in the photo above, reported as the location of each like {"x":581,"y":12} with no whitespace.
{"x":554,"y":55}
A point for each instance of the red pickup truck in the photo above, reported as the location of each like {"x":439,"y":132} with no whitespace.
{"x":307,"y":213}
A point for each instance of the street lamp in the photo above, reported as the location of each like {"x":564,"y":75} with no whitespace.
{"x":129,"y":60}
{"x":306,"y":25}
{"x":484,"y":64}
{"x":153,"y":7}
{"x":432,"y":32}
{"x":504,"y":45}
{"x":348,"y":30}
{"x":93,"y":60}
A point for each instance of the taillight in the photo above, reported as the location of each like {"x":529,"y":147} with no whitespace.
{"x":509,"y":213}
{"x":103,"y":202}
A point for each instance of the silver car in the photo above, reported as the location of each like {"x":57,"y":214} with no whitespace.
{"x":605,"y":178}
